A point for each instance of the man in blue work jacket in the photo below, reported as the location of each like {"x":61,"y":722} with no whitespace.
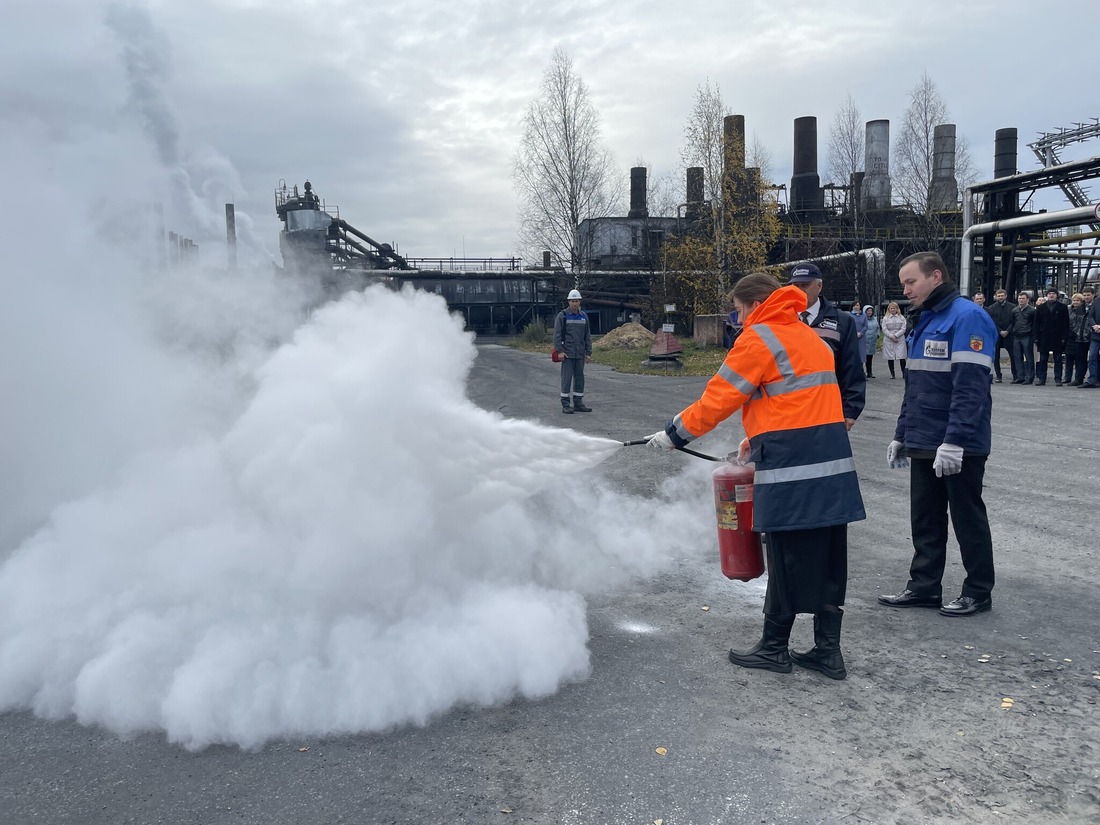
{"x":944,"y":430}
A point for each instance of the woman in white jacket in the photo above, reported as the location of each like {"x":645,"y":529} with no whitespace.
{"x":893,"y":338}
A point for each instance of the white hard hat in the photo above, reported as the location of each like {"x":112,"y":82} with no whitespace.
{"x":574,"y":295}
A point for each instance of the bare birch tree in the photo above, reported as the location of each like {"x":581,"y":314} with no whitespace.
{"x":847,"y":143}
{"x":760,"y":157}
{"x":914,"y":149}
{"x":742,"y":223}
{"x":562,"y":174}
{"x":703,"y":147}
{"x":662,"y":195}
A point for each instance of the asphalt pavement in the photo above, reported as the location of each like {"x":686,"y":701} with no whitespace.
{"x":919,"y":731}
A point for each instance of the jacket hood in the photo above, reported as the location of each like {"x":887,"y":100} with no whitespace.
{"x":781,"y":307}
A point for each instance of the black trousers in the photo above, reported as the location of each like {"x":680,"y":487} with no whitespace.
{"x":930,"y":500}
{"x":1077,"y":355}
{"x":1041,"y":363}
{"x":1003,"y":344}
{"x":807,"y":569}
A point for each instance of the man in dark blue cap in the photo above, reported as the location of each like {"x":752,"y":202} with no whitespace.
{"x":838,"y":330}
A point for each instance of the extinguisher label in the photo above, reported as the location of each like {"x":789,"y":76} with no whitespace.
{"x":743,"y":492}
{"x":727,"y":515}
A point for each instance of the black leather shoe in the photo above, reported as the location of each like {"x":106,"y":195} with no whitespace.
{"x":1017,"y":380}
{"x":967,"y":606}
{"x":907,"y":598}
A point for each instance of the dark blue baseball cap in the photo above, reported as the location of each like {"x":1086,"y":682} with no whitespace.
{"x":804,"y":274}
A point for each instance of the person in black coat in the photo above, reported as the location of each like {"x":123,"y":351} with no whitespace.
{"x":1092,"y":320}
{"x":1051,"y":329}
{"x":1077,"y":341}
{"x":1023,"y":339}
{"x":837,"y":329}
{"x":1001,"y":313}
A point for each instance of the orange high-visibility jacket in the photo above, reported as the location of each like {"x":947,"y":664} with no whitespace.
{"x":782,"y":376}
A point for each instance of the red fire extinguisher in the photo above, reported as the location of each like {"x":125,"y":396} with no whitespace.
{"x":739,"y":547}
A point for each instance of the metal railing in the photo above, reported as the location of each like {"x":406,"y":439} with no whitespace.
{"x":467,"y":264}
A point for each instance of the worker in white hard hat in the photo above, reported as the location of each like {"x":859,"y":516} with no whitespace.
{"x":573,"y":339}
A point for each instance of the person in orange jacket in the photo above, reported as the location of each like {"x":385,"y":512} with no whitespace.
{"x":782,"y":377}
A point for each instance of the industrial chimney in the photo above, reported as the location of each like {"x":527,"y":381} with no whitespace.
{"x":694,"y":192}
{"x":1005,"y":204}
{"x":231,"y":234}
{"x":876,"y":179}
{"x":943,"y":193}
{"x":638,"y":208}
{"x":733,"y":162}
{"x":807,"y":196}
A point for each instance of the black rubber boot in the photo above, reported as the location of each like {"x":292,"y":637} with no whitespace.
{"x":770,"y":653}
{"x":825,"y":656}
{"x":565,"y":407}
{"x":578,"y":404}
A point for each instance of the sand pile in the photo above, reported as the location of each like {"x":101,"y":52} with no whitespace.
{"x":628,"y":336}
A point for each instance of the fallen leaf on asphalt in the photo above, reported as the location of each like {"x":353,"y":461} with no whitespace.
{"x":303,"y":749}
{"x":661,"y":751}
{"x":658,"y":822}
{"x":506,"y":810}
{"x":968,"y":647}
{"x":706,"y":607}
{"x":1067,"y":660}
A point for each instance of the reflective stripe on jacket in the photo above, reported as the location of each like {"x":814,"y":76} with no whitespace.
{"x":838,"y":329}
{"x":947,"y":393}
{"x":784,"y":381}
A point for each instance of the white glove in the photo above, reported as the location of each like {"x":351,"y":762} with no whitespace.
{"x":744,"y":451}
{"x":895,"y":456}
{"x":660,"y":441}
{"x":949,"y":460}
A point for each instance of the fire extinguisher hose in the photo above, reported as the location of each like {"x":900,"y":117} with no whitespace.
{"x":681,"y":449}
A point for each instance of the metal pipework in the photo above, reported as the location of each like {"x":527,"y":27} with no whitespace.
{"x":1065,"y":217}
{"x":874,"y":261}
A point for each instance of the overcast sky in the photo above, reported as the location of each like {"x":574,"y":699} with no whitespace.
{"x":406,"y":114}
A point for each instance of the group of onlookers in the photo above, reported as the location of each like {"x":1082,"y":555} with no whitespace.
{"x":891,"y":329}
{"x":1067,"y":335}
{"x":1034,"y":335}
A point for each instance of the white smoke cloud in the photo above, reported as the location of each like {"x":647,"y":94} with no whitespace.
{"x":230,"y":520}
{"x":362,"y":547}
{"x":199,"y":180}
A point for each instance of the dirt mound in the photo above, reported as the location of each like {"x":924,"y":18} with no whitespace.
{"x":628,"y":336}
